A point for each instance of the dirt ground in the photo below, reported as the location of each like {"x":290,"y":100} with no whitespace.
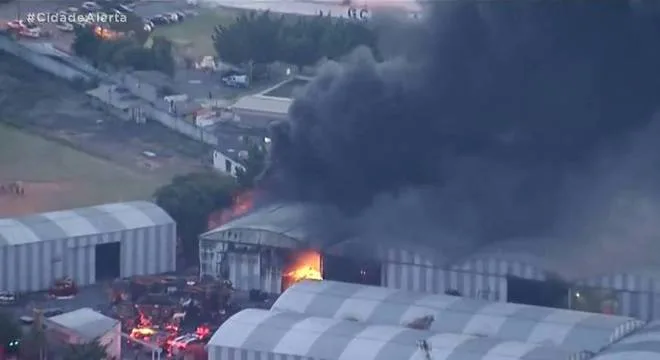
{"x":68,"y":154}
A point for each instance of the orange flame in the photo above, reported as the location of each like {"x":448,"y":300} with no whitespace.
{"x":241,"y":204}
{"x":306,"y":267}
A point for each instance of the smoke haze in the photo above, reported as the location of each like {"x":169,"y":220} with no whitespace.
{"x":502,"y":120}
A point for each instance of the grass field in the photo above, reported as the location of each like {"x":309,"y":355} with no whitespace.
{"x":59,"y":177}
{"x":195,"y":33}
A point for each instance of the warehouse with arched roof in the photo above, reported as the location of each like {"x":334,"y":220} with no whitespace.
{"x":243,"y":251}
{"x":571,"y":330}
{"x":86,"y":244}
{"x":253,"y":334}
{"x":644,"y":344}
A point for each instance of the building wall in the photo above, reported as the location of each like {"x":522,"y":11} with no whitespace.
{"x":112,"y":342}
{"x":246,"y":270}
{"x":637,"y":295}
{"x":34,"y":266}
{"x":408,"y":270}
{"x":220,"y":162}
{"x":225,"y":353}
{"x":503,"y":267}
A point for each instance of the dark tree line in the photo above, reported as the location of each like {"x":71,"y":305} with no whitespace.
{"x":263,"y":38}
{"x":125,"y":52}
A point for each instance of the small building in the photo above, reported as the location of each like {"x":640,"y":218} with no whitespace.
{"x":231,"y":154}
{"x":86,"y":244}
{"x":262,"y":334}
{"x":573,"y":331}
{"x":83,"y":326}
{"x":118,"y":102}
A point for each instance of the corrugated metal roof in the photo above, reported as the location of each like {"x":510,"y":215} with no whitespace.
{"x":567,"y":329}
{"x":81,"y":222}
{"x":644,"y":344}
{"x":85,"y":322}
{"x":329,"y":339}
{"x":292,"y":221}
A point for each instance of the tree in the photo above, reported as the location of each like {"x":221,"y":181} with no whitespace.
{"x":92,"y":350}
{"x":125,"y":52}
{"x":190,"y":199}
{"x":86,"y":44}
{"x":162,"y":50}
{"x":10,"y":333}
{"x":253,"y":37}
{"x":262,"y":38}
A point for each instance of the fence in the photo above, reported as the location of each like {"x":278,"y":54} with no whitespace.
{"x":72,"y":68}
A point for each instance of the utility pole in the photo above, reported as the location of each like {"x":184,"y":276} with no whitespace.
{"x":18,"y":10}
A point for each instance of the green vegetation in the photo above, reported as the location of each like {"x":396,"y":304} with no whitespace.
{"x":68,"y":178}
{"x":195,"y":34}
{"x":263,"y":38}
{"x":126,"y":52}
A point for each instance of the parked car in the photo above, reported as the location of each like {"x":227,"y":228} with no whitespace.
{"x":159,"y":20}
{"x":65,"y":27}
{"x":7,"y":298}
{"x":90,"y":6}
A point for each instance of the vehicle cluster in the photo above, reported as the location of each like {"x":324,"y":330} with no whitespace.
{"x":25,"y":28}
{"x":171,"y":312}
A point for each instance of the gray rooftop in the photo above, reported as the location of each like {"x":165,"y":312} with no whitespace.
{"x":291,"y":221}
{"x":86,"y":221}
{"x":85,"y":322}
{"x":260,"y":104}
{"x":299,"y":335}
{"x":571,"y":330}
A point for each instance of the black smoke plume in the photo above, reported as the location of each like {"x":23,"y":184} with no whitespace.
{"x":499,"y":120}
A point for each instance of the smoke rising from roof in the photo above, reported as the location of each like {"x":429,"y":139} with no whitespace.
{"x":504,"y":119}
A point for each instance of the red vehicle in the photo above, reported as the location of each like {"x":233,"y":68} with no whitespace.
{"x":63,"y":288}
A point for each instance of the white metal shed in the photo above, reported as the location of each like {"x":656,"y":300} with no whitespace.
{"x":571,"y":330}
{"x":641,"y":345}
{"x":85,"y":325}
{"x":39,"y":248}
{"x":254,"y":333}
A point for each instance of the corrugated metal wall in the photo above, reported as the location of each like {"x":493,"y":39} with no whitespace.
{"x":502,"y":267}
{"x":637,"y":295}
{"x":246,"y":273}
{"x":34,"y":266}
{"x":225,"y":353}
{"x":415,"y":272}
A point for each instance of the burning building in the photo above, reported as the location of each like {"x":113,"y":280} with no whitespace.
{"x":274,"y":247}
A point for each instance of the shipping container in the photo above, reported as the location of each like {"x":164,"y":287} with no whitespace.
{"x":88,"y":245}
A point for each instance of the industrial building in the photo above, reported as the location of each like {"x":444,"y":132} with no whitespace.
{"x":87,"y":245}
{"x":642,"y":345}
{"x":263,"y":334}
{"x":254,"y":250}
{"x":570,"y":330}
{"x":83,"y":326}
{"x":515,"y":271}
